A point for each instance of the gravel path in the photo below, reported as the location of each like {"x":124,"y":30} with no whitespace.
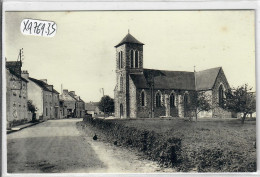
{"x":57,"y":146}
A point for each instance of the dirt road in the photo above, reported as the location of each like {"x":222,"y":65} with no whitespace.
{"x":56,"y":146}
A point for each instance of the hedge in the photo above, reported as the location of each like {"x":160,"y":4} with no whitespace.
{"x":169,"y":151}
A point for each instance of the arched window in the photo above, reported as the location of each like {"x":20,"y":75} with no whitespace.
{"x":158,"y":99}
{"x":121,"y":58}
{"x":121,"y":83}
{"x":121,"y":110}
{"x":136,"y":59}
{"x":132,"y":58}
{"x":172,"y":100}
{"x":221,"y":96}
{"x":142,"y":98}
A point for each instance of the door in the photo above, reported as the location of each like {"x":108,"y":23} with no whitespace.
{"x":121,"y":111}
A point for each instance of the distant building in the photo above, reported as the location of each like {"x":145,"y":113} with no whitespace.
{"x":43,"y":96}
{"x":79,"y":105}
{"x":16,"y":95}
{"x":69,"y":104}
{"x":145,"y":93}
{"x":92,"y":108}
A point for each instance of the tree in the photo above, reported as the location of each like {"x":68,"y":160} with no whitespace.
{"x":240,"y":100}
{"x":106,"y":104}
{"x":199,"y":101}
{"x":30,"y":106}
{"x":32,"y":109}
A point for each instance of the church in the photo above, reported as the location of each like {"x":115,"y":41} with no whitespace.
{"x":152,"y":93}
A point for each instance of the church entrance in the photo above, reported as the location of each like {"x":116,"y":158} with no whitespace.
{"x":121,"y":111}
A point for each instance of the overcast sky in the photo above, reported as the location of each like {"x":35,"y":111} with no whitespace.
{"x":81,"y":56}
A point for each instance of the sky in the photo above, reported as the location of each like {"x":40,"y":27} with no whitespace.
{"x":81,"y":55}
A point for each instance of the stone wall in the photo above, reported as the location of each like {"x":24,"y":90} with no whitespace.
{"x":16,"y":101}
{"x":219,"y":112}
{"x":145,"y":111}
{"x":132,"y":99}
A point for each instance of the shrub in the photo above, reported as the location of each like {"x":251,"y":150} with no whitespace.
{"x":167,"y":151}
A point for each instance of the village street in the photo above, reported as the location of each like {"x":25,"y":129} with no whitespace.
{"x":58,"y":146}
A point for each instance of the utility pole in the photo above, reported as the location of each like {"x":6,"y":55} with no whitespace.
{"x":103,"y":101}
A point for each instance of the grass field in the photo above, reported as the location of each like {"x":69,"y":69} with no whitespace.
{"x":228,"y":132}
{"x":208,"y":146}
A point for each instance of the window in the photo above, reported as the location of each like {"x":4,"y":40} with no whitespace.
{"x":132,"y":58}
{"x":136,"y":59}
{"x":121,"y":83}
{"x":221,"y":96}
{"x":185,"y":101}
{"x":119,"y":60}
{"x":158,"y":99}
{"x":172,"y":100}
{"x":46,"y":111}
{"x":142,"y":98}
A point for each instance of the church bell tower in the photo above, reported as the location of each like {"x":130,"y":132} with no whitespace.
{"x":129,"y":60}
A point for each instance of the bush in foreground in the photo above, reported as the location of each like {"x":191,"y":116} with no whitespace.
{"x":170,"y":151}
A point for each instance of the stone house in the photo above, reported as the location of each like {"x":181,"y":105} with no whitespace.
{"x":79,"y":105}
{"x":92,"y":108}
{"x":16,"y":95}
{"x":145,"y":93}
{"x":69,"y":104}
{"x":43,"y":96}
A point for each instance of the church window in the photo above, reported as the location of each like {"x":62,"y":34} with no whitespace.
{"x":119,"y":60}
{"x":142,"y":98}
{"x":121,"y":57}
{"x":172,"y":100}
{"x":136,"y":59}
{"x":121,"y":83}
{"x":132,"y":58}
{"x":185,"y":101}
{"x":158,"y":99}
{"x":221,"y":96}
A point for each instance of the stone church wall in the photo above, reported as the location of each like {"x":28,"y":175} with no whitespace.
{"x":132,"y":99}
{"x":219,"y":112}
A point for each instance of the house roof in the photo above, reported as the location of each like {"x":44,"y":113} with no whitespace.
{"x":179,"y":80}
{"x":205,"y":79}
{"x":43,"y":85}
{"x":67,"y":97}
{"x":17,"y":75}
{"x":77,"y":98}
{"x":129,"y":39}
{"x":90,"y":106}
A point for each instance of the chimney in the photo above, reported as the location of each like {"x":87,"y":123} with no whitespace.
{"x":65,"y":91}
{"x":72,"y":93}
{"x":25,"y":74}
{"x":44,"y":80}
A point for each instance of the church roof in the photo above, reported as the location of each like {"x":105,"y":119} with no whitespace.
{"x":179,"y":80}
{"x":129,"y":39}
{"x":205,"y":79}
